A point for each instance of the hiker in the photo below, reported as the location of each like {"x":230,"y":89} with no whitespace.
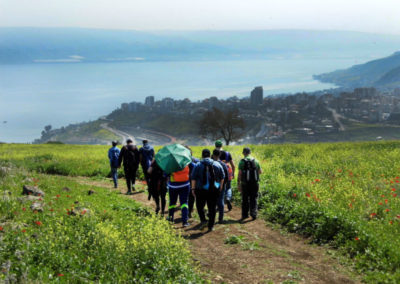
{"x":179,"y":185}
{"x":113,"y":154}
{"x":146,"y":156}
{"x":157,"y":186}
{"x":248,"y":178}
{"x":130,"y":156}
{"x":220,"y":203}
{"x":228,"y":187}
{"x":225,"y":156}
{"x":207,"y":181}
{"x":192,"y":165}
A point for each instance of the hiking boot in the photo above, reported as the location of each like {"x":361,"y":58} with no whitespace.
{"x":170,"y":219}
{"x":221,"y":222}
{"x":129,"y":193}
{"x":229,"y":205}
{"x":210,"y":229}
{"x":157,"y":210}
{"x":253,"y":217}
{"x":186,"y":224}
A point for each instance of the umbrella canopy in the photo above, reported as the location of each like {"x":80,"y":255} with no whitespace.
{"x":173,"y":158}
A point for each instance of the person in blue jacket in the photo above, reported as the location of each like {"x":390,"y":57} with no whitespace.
{"x":207,"y":182}
{"x":146,"y":157}
{"x":113,"y":154}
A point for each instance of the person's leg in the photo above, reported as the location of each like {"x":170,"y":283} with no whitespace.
{"x":133,"y":177}
{"x":200,"y":203}
{"x":173,"y":198}
{"x":153,"y":188}
{"x":228,"y":195}
{"x":245,"y":201}
{"x":183,"y":200}
{"x":114,"y":173}
{"x":221,"y":206}
{"x":147,"y":179}
{"x":253,"y":200}
{"x":212,"y":198}
{"x":163,"y":194}
{"x":128,"y":179}
{"x":191,"y":203}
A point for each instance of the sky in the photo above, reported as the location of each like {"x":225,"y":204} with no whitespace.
{"x":377,"y":16}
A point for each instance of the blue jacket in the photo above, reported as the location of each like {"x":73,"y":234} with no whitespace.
{"x":113,"y":154}
{"x":197,"y":173}
{"x":146,"y":155}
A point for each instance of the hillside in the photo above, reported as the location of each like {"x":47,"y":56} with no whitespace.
{"x":381,"y":73}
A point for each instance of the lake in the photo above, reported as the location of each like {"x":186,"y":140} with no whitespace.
{"x":34,"y":95}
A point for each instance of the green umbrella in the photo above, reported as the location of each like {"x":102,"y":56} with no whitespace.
{"x":173,"y":158}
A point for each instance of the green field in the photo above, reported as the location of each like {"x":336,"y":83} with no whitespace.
{"x":342,"y":194}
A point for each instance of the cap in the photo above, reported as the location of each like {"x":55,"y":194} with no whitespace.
{"x":218,"y":143}
{"x":246,"y":151}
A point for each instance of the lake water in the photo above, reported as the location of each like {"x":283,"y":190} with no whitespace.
{"x":34,"y":95}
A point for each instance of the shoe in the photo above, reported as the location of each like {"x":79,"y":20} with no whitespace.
{"x":149,"y":197}
{"x":186,"y":224}
{"x":129,"y":193}
{"x":243,"y":218}
{"x":157,"y":210}
{"x":210,"y":229}
{"x":170,"y":219}
{"x":229,"y":205}
{"x":221,"y":222}
{"x":253,"y":217}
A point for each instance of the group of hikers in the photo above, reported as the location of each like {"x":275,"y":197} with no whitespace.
{"x":205,"y":181}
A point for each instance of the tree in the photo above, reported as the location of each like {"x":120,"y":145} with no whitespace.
{"x":217,"y":124}
{"x":47,"y":128}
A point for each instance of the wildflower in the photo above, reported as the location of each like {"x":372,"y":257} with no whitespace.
{"x":23,"y":231}
{"x":356,"y":238}
{"x":373,"y":215}
{"x":390,"y":222}
{"x":60,"y":274}
{"x":386,"y":201}
{"x":382,"y":195}
{"x":317,"y":180}
{"x":398,"y":216}
{"x":57,"y":195}
{"x":1,"y":228}
{"x":51,"y":209}
{"x":68,"y":196}
{"x":387,"y":210}
{"x":394,"y":194}
{"x":294,"y":194}
{"x":350,"y":205}
{"x":38,"y":223}
{"x":308,"y":195}
{"x":24,"y":209}
{"x":339,"y":170}
{"x":380,"y":203}
{"x":393,"y":189}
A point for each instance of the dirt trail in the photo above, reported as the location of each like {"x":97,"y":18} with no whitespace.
{"x":263,"y":254}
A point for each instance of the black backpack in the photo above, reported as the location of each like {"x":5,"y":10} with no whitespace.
{"x":208,"y":175}
{"x":131,"y":157}
{"x":250,"y":171}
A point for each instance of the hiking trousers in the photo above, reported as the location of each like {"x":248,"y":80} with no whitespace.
{"x":130,"y":176}
{"x":158,"y":193}
{"x":183,"y":194}
{"x":221,"y":205}
{"x":191,"y":202}
{"x":114,"y":175}
{"x":210,"y":198}
{"x":249,"y":200}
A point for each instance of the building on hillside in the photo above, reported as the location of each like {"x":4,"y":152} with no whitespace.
{"x":149,"y":101}
{"x":256,"y":96}
{"x":167,"y":104}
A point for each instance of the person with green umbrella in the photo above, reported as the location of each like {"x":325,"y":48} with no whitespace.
{"x":174,"y":160}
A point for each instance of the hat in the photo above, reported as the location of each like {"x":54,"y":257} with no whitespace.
{"x":206,"y":153}
{"x":218,"y":143}
{"x":246,"y":151}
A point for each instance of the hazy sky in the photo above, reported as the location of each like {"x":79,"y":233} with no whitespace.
{"x":381,"y":16}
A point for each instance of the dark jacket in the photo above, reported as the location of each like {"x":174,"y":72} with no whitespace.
{"x":130,"y":157}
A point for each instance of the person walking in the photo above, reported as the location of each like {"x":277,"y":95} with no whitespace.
{"x":192,"y":165}
{"x":179,"y":186}
{"x":207,"y":181}
{"x":113,"y":154}
{"x":225,"y":156}
{"x":248,"y":179}
{"x":157,"y":186}
{"x":221,"y":196}
{"x":130,"y":157}
{"x":146,"y":156}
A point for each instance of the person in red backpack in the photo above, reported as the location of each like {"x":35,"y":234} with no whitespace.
{"x":248,"y":179}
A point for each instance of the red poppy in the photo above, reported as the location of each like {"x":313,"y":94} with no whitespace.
{"x":308,"y":195}
{"x":382,"y":195}
{"x":83,"y":212}
{"x":38,"y":223}
{"x":387,"y":210}
{"x":380,"y":203}
{"x":394,"y":194}
{"x":350,"y":205}
{"x":1,"y":228}
{"x":373,"y":214}
{"x":51,"y":209}
{"x":393,"y":189}
{"x":391,"y":222}
{"x":386,"y":201}
{"x":317,"y":180}
{"x":294,"y":194}
{"x":356,"y":238}
{"x":24,"y":209}
{"x":60,"y":274}
{"x":57,"y":195}
{"x":398,"y":216}
{"x":23,"y":231}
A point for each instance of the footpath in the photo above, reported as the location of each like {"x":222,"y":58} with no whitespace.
{"x":252,"y":251}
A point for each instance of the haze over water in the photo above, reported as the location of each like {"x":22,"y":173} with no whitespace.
{"x":34,"y":95}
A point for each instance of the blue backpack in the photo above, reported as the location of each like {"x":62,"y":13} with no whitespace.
{"x":114,"y":154}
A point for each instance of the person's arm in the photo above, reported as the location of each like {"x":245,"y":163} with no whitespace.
{"x":221,"y":186}
{"x":233,"y":167}
{"x":109,"y":154}
{"x":193,"y":187}
{"x":150,"y":170}
{"x":120,"y":156}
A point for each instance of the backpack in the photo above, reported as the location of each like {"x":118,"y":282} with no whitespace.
{"x":208,"y":180}
{"x":230,"y":171}
{"x":130,"y":157}
{"x":250,"y":171}
{"x":148,"y":154}
{"x":225,"y":156}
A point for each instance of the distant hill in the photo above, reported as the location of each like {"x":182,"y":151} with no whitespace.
{"x":383,"y":73}
{"x":52,"y":45}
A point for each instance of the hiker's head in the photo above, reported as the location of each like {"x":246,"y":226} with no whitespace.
{"x":114,"y":143}
{"x":216,"y":154}
{"x":218,"y":144}
{"x":129,"y":141}
{"x":145,"y":142}
{"x":205,"y":153}
{"x":246,"y":151}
